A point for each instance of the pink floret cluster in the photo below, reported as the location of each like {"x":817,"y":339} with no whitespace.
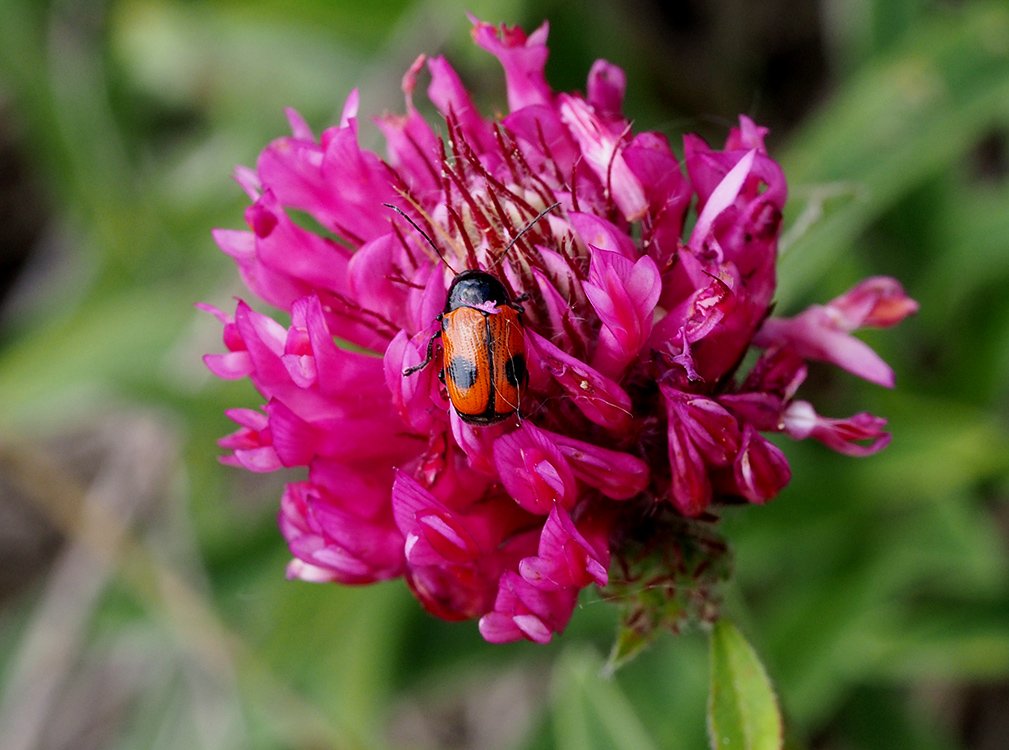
{"x":636,"y":331}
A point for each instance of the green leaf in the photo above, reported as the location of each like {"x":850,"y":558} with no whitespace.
{"x":742,"y":707}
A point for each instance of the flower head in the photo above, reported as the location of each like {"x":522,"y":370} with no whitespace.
{"x":627,"y":414}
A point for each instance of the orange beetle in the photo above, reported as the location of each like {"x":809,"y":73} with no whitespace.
{"x":483,"y":347}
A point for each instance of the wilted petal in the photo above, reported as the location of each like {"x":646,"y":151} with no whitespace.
{"x":707,"y":424}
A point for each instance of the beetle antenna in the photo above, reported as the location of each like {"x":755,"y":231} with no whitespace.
{"x":425,"y":235}
{"x":522,"y":231}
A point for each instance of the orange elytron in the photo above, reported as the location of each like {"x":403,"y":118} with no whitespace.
{"x":484,"y":365}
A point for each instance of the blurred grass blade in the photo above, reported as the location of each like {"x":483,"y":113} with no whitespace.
{"x":593,"y":712}
{"x":902,"y":120}
{"x":742,"y":707}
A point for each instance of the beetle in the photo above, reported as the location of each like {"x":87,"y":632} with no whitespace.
{"x":483,"y":349}
{"x":483,"y":343}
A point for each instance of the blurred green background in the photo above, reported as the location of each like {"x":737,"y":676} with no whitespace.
{"x":142,"y":596}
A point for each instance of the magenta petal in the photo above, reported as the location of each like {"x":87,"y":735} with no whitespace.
{"x":712,"y":430}
{"x":878,"y":301}
{"x":814,"y":334}
{"x":533,"y":470}
{"x":761,"y":470}
{"x":476,"y":442}
{"x":434,"y":534}
{"x":623,"y":294}
{"x":349,"y":548}
{"x":596,"y":232}
{"x":723,"y":196}
{"x":747,"y":136}
{"x":619,"y":476}
{"x":691,"y":485}
{"x":565,"y":558}
{"x":230,"y":366}
{"x":259,"y":460}
{"x":544,"y":139}
{"x":606,"y":86}
{"x":599,"y":398}
{"x":859,"y":435}
{"x":601,"y":144}
{"x":413,"y":396}
{"x":523,"y":611}
{"x":449,"y":95}
{"x":523,"y":59}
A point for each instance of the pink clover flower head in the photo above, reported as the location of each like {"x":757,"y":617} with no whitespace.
{"x":632,"y":414}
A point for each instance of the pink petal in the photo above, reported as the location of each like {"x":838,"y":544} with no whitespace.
{"x":448,"y":94}
{"x":878,"y":301}
{"x":721,"y":198}
{"x":599,"y":398}
{"x":619,"y":476}
{"x":477,"y":442}
{"x":606,"y":86}
{"x":523,"y":611}
{"x":566,"y":559}
{"x":761,"y":470}
{"x":533,"y":470}
{"x":413,"y":396}
{"x":523,"y":59}
{"x":601,"y":148}
{"x":595,"y":231}
{"x":814,"y":334}
{"x":848,"y":436}
{"x":334,"y":545}
{"x":624,"y":295}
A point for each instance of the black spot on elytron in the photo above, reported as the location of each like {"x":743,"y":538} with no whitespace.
{"x":462,"y":372}
{"x":515,"y":370}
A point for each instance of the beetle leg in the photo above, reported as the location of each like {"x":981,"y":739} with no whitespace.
{"x":516,"y":304}
{"x":427,"y":358}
